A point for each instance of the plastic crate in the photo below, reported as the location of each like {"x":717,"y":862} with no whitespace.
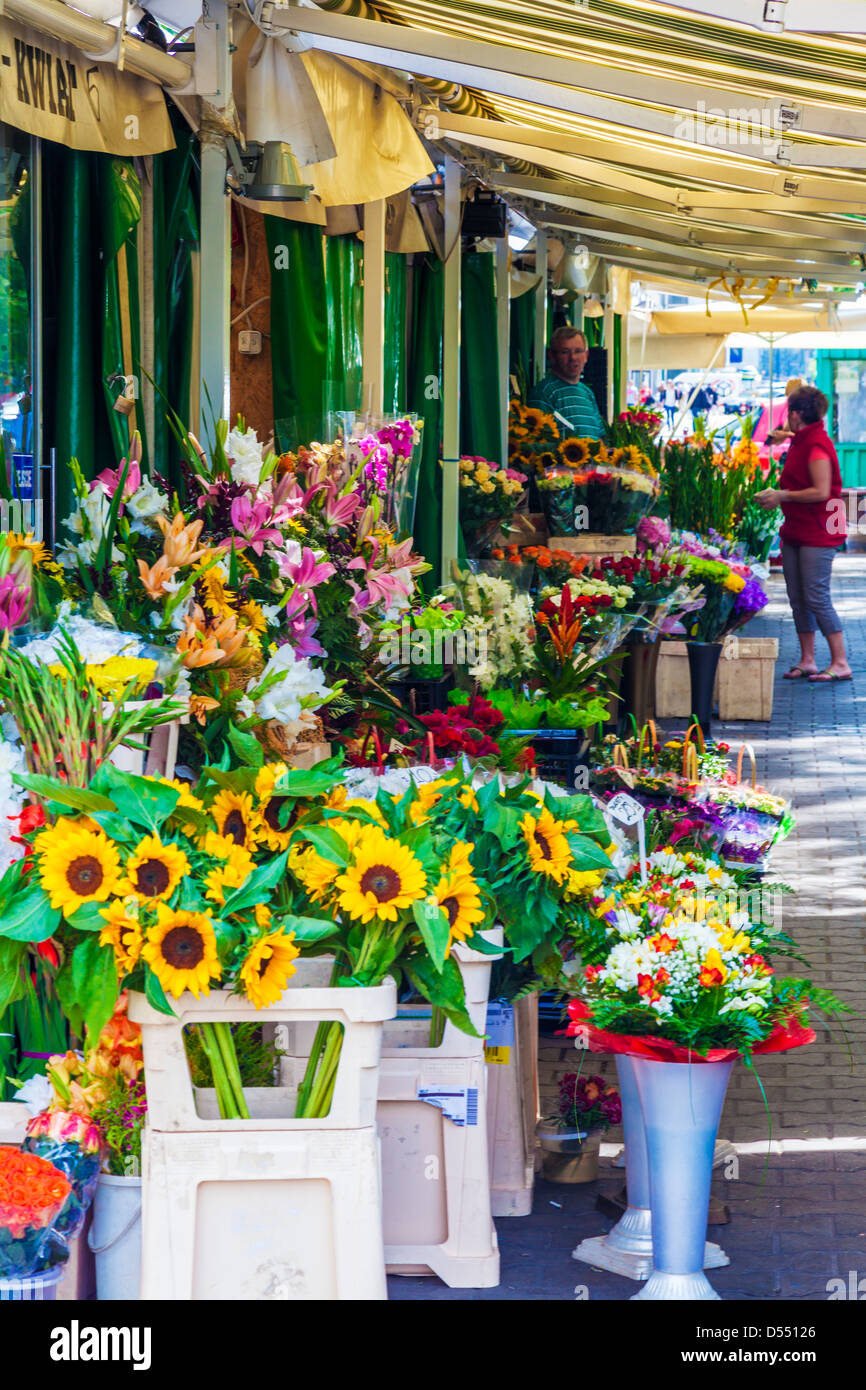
{"x":561,"y":755}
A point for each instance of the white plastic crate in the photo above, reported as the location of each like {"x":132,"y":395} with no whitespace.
{"x":435,"y":1175}
{"x":512,"y":1114}
{"x":172,"y":1104}
{"x":281,"y":1214}
{"x":409,"y":1033}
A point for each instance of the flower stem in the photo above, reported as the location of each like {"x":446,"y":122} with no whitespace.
{"x":226,"y":1044}
{"x":224,"y":1094}
{"x":322,"y":1090}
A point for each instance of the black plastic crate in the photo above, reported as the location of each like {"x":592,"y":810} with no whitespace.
{"x":560,"y":754}
{"x":423,"y":696}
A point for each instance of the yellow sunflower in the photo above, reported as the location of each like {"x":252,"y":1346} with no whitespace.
{"x":335,"y":799}
{"x":18,"y":541}
{"x":268,"y":967}
{"x":181,"y":950}
{"x":604,"y":456}
{"x":235,"y":818}
{"x":77,"y":865}
{"x":574,"y":452}
{"x":580,"y":885}
{"x":549,"y":851}
{"x":467,"y":798}
{"x":275,"y":835}
{"x":253,"y":616}
{"x":216,"y":597}
{"x":315,"y":874}
{"x":427,"y":794}
{"x":154,"y":870}
{"x":123,"y":933}
{"x":232,"y":873}
{"x":458,"y":895}
{"x":533,"y":418}
{"x":383,"y":879}
{"x":185,"y":798}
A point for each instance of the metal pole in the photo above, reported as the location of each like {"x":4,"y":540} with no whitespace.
{"x":503,"y":338}
{"x":451,"y":369}
{"x":374,"y":305}
{"x":770,"y":341}
{"x":36,"y":373}
{"x":541,"y":305}
{"x":214,"y":329}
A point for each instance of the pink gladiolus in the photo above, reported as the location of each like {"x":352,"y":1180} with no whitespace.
{"x":249,"y":520}
{"x":14,"y":602}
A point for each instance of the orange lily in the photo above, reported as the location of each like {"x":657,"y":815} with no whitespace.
{"x":154,"y":577}
{"x":179,"y":540}
{"x":200,"y":705}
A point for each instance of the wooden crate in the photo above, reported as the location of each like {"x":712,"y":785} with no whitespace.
{"x":745,"y":681}
{"x":593,"y":543}
{"x":673,"y":685}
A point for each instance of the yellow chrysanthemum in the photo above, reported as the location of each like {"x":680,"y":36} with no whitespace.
{"x":235,"y":818}
{"x":123,"y":933}
{"x":181,"y":950}
{"x":275,"y":835}
{"x":549,"y":851}
{"x":232,"y":873}
{"x":268,"y":967}
{"x":154,"y":870}
{"x":77,"y":865}
{"x":383,"y":879}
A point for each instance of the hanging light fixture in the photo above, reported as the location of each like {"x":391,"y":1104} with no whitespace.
{"x":268,"y":172}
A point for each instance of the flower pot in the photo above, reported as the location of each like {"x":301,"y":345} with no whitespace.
{"x":568,"y":1155}
{"x":37,"y":1287}
{"x":682,"y":1104}
{"x":115,"y":1237}
{"x":639,"y":680}
{"x":703,"y":665}
{"x":628,"y":1248}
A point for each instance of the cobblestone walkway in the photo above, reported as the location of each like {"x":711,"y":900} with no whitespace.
{"x":798,"y":1217}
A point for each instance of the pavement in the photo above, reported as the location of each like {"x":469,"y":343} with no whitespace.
{"x":797,"y":1189}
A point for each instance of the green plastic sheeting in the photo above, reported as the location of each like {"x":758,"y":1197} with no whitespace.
{"x":617,"y":363}
{"x":175,"y":238}
{"x":593,"y":331}
{"x":299,"y":330}
{"x":344,"y":298}
{"x":523,"y":340}
{"x":479,"y":360}
{"x":394,"y":386}
{"x":120,"y":207}
{"x":424,"y":398}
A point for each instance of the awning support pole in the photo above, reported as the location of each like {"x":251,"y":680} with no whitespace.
{"x":541,"y":305}
{"x":503,"y":337}
{"x":451,"y":369}
{"x":215,"y":243}
{"x":374,"y":305}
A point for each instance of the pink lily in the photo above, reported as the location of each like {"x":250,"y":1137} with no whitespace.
{"x":340,"y":510}
{"x":249,"y":520}
{"x":308,"y":571}
{"x":109,"y":480}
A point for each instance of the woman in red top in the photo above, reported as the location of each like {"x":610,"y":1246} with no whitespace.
{"x":810,"y":495}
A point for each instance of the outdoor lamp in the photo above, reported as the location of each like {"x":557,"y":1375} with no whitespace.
{"x":268,"y":172}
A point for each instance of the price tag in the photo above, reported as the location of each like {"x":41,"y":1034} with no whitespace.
{"x":628,"y":811}
{"x":498,"y":1033}
{"x":458,"y":1103}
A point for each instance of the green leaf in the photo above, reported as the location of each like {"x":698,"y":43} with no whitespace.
{"x":587,"y":854}
{"x":307,"y":929}
{"x":88,"y":917}
{"x":246,"y":746}
{"x":94,"y":976}
{"x":30,"y":917}
{"x":11,"y":956}
{"x":257,"y":887}
{"x":117,"y":828}
{"x":444,"y":989}
{"x":327,"y":843}
{"x":303,"y":783}
{"x":67,"y":994}
{"x":503,"y":821}
{"x":242,"y":779}
{"x":478,"y":942}
{"x":79,"y":798}
{"x":155,"y":994}
{"x":144,"y":802}
{"x":435,"y":931}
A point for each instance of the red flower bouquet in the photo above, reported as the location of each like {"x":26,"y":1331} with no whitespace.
{"x":32,"y":1195}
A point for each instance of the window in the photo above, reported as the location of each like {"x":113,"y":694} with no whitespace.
{"x":849,"y":392}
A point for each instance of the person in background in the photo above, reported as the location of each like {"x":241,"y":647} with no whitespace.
{"x":783,"y":434}
{"x":810,"y":495}
{"x":562,"y":392}
{"x":669,"y":399}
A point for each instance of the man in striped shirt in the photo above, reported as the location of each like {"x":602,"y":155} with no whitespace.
{"x":562,"y":393}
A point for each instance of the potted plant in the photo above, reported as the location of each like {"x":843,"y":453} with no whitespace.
{"x":570,"y":1139}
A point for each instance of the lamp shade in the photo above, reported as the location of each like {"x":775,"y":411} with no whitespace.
{"x":278,"y":176}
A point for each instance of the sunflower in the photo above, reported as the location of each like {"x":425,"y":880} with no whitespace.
{"x":574,"y":452}
{"x":546,"y":460}
{"x":267,"y":968}
{"x":185,"y":796}
{"x":275,"y":835}
{"x":467,"y":798}
{"x":383,"y":878}
{"x":77,"y":865}
{"x":336,"y":798}
{"x":253,"y":616}
{"x":604,"y":456}
{"x":232,"y":873}
{"x":123,"y":932}
{"x":315,"y":874}
{"x":216,"y":598}
{"x":181,"y":950}
{"x":533,"y":418}
{"x":17,"y":541}
{"x":458,"y":895}
{"x":427,"y":794}
{"x":154,"y":870}
{"x":235,"y":818}
{"x":549,"y":851}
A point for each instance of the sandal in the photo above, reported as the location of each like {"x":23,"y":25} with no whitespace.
{"x":825,"y":677}
{"x":801,"y":674}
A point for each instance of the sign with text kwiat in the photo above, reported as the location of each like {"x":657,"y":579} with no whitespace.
{"x":50,"y":89}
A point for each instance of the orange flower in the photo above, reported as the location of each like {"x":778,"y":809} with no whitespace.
{"x":197,"y":645}
{"x":663,"y":943}
{"x":179,"y":540}
{"x":200,"y":705}
{"x":154,"y":577}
